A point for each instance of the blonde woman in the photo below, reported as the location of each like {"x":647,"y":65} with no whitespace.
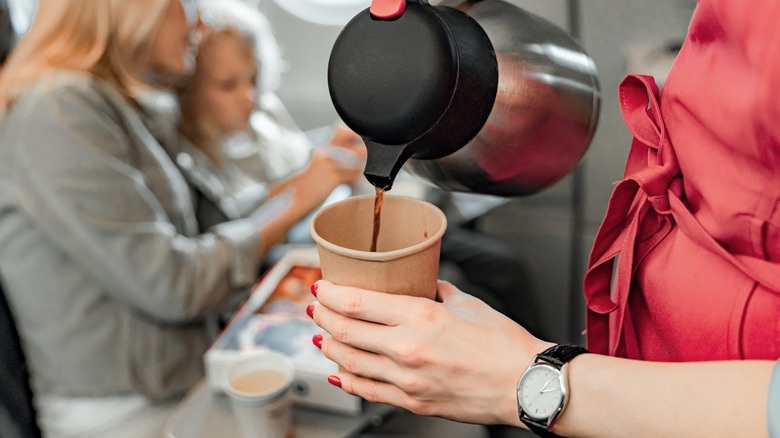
{"x":101,"y":258}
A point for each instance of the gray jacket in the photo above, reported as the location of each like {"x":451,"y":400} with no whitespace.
{"x":100,"y":254}
{"x":222,"y":193}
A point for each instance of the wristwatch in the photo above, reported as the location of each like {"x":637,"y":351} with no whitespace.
{"x":542,"y":391}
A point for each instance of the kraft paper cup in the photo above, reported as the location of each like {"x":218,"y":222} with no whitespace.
{"x":408,"y":247}
{"x":258,"y":388}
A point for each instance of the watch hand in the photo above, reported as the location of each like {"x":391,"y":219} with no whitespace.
{"x":542,"y":391}
{"x":545,"y":386}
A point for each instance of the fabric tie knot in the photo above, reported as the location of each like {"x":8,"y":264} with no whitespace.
{"x":659,"y":181}
{"x":638,"y":216}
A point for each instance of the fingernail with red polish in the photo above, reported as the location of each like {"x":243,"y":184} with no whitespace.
{"x":310,"y":310}
{"x":335,"y":381}
{"x":314,"y":289}
{"x":317,"y":340}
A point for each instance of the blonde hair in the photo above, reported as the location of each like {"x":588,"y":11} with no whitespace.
{"x":253,"y":23}
{"x":204,"y":133}
{"x":107,"y":38}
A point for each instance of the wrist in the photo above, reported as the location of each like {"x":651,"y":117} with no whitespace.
{"x":543,"y":389}
{"x":274,"y":231}
{"x":534,"y":349}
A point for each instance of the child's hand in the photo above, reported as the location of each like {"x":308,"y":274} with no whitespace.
{"x":348,"y":150}
{"x":345,"y":137}
{"x":333,"y":168}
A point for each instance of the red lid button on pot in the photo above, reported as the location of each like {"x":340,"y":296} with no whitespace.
{"x":387,"y":9}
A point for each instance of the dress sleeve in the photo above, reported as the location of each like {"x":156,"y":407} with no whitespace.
{"x":773,"y":403}
{"x":103,"y":191}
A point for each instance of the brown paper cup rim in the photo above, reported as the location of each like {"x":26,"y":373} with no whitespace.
{"x":379,"y":256}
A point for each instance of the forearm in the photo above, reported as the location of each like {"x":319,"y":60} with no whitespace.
{"x":306,"y":190}
{"x":619,"y":397}
{"x":282,"y":186}
{"x":129,"y":227}
{"x":274,"y":231}
{"x":167,"y":276}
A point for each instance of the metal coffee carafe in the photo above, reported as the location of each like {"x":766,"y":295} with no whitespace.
{"x":474,"y":96}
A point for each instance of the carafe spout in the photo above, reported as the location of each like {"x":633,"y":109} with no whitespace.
{"x":383,"y":162}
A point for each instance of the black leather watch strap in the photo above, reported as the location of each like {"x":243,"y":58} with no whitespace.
{"x":561,"y":353}
{"x":537,"y":427}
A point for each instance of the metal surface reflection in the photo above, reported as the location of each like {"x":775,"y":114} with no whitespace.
{"x":545,"y":113}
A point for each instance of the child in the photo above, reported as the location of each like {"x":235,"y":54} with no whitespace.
{"x":220,"y":101}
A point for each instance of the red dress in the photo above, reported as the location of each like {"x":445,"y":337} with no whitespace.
{"x":695,"y":224}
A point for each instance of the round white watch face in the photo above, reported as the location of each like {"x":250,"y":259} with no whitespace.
{"x":539,"y":392}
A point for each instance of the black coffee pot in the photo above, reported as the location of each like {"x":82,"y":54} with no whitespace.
{"x":476,"y":95}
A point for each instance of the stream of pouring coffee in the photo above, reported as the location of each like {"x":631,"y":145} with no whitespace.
{"x":378,"y":201}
